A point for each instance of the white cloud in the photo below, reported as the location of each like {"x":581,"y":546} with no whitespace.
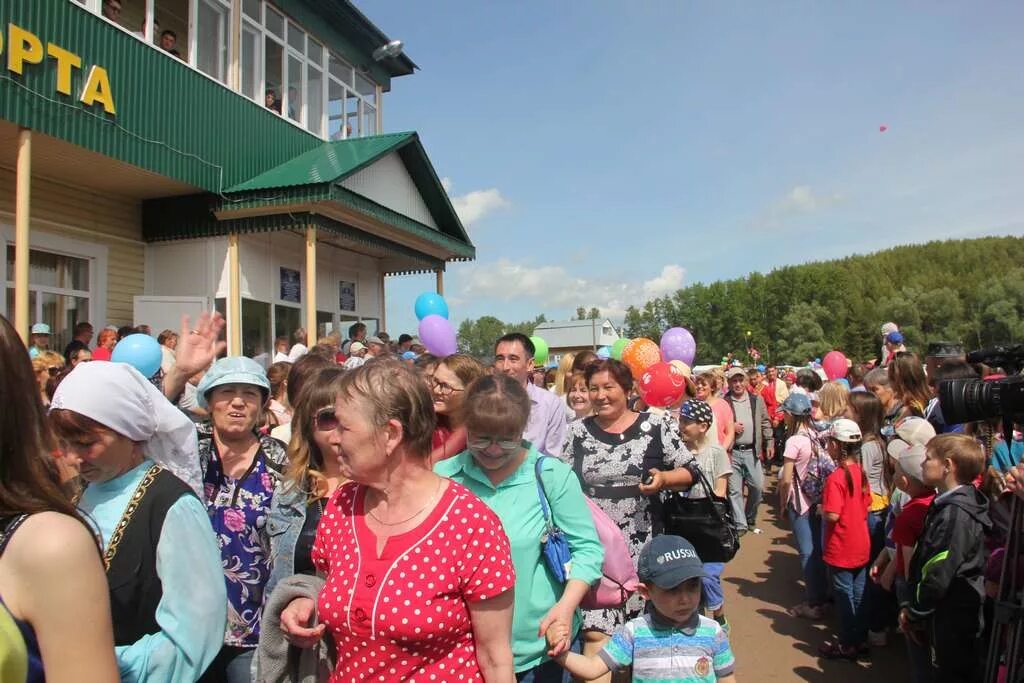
{"x":553,"y":287}
{"x":473,"y":206}
{"x":802,"y":200}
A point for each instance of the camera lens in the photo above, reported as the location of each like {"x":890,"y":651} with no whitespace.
{"x":969,"y":400}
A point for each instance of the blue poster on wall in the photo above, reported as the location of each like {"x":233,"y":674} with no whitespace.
{"x":291,"y":286}
{"x":347,"y":296}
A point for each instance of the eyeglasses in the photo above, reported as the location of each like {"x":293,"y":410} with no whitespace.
{"x":482,"y":443}
{"x":326,"y":420}
{"x":443,"y":388}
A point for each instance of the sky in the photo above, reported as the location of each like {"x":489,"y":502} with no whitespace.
{"x":603,"y":153}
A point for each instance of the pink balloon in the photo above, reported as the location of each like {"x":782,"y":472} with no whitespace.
{"x":438,"y":335}
{"x":834,"y":365}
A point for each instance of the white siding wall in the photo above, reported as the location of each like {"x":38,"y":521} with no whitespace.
{"x":388,"y":183}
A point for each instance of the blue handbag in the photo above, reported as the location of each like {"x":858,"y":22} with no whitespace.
{"x":554,"y":545}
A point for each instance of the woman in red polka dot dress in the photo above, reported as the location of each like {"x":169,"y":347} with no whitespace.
{"x":419,"y":571}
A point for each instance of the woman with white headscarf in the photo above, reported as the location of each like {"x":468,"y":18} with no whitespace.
{"x":140,"y":462}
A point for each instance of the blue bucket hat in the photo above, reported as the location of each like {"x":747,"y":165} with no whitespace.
{"x":797,"y":404}
{"x":232,"y":370}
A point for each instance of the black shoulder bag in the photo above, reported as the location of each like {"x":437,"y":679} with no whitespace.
{"x":706,"y":522}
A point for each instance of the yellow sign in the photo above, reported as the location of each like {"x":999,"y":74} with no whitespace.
{"x":25,"y":47}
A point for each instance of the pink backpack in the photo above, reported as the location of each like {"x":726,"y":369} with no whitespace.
{"x":618,"y":574}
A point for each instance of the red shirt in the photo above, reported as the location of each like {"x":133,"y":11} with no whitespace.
{"x":908,"y":525}
{"x":771,"y":403}
{"x":847,"y":543}
{"x":404,"y":616}
{"x":101,"y":353}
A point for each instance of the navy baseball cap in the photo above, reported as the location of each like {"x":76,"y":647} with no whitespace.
{"x":667,"y":561}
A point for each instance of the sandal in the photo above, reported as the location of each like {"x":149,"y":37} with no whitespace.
{"x":833,"y":650}
{"x":805,"y":611}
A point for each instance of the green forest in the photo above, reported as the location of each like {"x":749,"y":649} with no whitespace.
{"x":971,"y":291}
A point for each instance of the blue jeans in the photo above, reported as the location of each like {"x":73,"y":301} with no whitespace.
{"x":848,"y":589}
{"x":746,"y":469}
{"x":714,"y":597}
{"x":807,"y":532}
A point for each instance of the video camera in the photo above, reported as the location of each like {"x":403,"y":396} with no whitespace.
{"x":969,"y":400}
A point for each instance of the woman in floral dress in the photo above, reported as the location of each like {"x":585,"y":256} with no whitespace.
{"x":612,"y":452}
{"x":240,"y":473}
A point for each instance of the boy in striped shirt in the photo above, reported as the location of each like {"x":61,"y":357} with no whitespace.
{"x":673,"y":642}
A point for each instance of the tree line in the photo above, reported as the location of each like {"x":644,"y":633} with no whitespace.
{"x":970,"y":291}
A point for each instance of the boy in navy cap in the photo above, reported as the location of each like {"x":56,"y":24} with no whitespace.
{"x":673,"y":641}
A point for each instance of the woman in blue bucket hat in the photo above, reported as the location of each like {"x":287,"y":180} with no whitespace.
{"x":240,"y":472}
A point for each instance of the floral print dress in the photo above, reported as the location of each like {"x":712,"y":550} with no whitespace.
{"x":238,"y":510}
{"x":618,"y":461}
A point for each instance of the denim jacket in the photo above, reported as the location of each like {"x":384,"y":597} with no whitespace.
{"x":284,"y":524}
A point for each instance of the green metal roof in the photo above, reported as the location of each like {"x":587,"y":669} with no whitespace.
{"x":326,"y":163}
{"x":311,"y":177}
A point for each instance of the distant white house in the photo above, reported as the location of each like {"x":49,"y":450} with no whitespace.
{"x":567,"y":336}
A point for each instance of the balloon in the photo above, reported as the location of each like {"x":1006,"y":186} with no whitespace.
{"x":438,"y":335}
{"x":540,"y":351}
{"x":677,"y":344}
{"x":618,"y":347}
{"x":834,"y":365}
{"x":604,"y":353}
{"x":639,"y":355}
{"x":883,"y":128}
{"x":661,"y":385}
{"x":429,"y":303}
{"x":140,"y":351}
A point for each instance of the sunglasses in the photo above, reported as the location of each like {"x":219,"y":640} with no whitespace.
{"x":482,"y":443}
{"x":326,"y":420}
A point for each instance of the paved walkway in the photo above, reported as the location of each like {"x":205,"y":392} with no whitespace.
{"x":760,"y":583}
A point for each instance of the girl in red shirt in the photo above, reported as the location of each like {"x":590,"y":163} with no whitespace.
{"x":845,"y":504}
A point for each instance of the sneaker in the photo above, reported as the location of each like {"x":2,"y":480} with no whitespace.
{"x":724,"y":623}
{"x":756,"y":530}
{"x":878,"y":638}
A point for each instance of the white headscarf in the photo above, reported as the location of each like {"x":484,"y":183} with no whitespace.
{"x":118,"y":397}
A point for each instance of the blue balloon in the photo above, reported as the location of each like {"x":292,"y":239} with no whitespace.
{"x":429,"y":303}
{"x":140,"y":351}
{"x":604,"y":352}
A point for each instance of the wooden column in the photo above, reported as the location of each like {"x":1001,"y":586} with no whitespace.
{"x":311,"y":285}
{"x":234,"y":298}
{"x":22,"y":205}
{"x":383,"y":305}
{"x":440,"y":281}
{"x":235,"y":48}
{"x":380,"y":110}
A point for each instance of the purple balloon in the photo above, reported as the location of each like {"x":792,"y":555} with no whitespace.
{"x":677,"y":344}
{"x":438,"y":335}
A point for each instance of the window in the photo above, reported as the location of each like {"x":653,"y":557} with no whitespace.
{"x":315,"y":102}
{"x":273,"y":73}
{"x":59,"y":292}
{"x":256,"y":328}
{"x":251,"y":39}
{"x":293,"y":96}
{"x":212,"y":21}
{"x":287,"y":319}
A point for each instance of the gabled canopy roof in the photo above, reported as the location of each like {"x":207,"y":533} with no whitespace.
{"x":313,"y":183}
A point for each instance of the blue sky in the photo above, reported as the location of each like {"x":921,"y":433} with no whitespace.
{"x":603,"y":153}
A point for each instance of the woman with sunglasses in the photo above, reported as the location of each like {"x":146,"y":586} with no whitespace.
{"x":501,"y":469}
{"x":448,"y":387}
{"x":312,"y":476}
{"x":46,"y":364}
{"x":419,"y":574}
{"x":240,"y":472}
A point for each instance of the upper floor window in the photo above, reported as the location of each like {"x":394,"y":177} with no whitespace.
{"x":280,"y":65}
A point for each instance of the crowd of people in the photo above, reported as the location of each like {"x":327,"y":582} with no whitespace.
{"x":363,"y":510}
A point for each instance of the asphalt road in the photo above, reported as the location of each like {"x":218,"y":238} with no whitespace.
{"x":760,"y":583}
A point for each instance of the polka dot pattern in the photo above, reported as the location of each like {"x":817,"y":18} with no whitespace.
{"x":404,"y":616}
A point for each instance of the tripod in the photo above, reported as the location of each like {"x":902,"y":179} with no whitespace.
{"x":1008,"y":626}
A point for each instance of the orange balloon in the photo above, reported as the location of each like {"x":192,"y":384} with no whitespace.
{"x":639,"y":355}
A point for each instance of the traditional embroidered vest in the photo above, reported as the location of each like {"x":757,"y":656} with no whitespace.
{"x":135,"y":588}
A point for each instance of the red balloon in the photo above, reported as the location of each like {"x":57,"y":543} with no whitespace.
{"x":834,"y":364}
{"x":661,"y":385}
{"x":883,"y":128}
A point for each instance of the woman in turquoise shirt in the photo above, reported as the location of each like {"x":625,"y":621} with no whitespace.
{"x":499,"y":467}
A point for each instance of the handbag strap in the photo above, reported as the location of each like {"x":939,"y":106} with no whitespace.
{"x":543,"y":494}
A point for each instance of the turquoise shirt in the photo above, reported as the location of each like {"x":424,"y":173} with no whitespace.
{"x":517,"y":504}
{"x":193,"y":609}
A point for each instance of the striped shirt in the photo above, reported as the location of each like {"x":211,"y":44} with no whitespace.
{"x":697,"y":652}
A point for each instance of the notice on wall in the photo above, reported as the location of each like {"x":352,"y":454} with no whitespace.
{"x":346,"y":295}
{"x":291,"y":286}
